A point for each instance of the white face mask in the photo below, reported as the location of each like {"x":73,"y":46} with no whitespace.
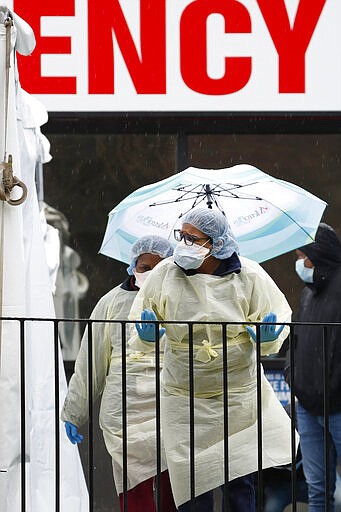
{"x":190,"y":256}
{"x":305,"y":273}
{"x":140,"y":277}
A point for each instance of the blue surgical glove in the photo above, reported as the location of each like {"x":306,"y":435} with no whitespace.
{"x":267,"y":332}
{"x":72,"y":433}
{"x":147,"y":331}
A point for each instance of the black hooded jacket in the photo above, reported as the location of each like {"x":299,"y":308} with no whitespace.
{"x":320,"y":302}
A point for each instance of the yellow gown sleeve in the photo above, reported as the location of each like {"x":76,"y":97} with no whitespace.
{"x":76,"y":404}
{"x":267,"y":297}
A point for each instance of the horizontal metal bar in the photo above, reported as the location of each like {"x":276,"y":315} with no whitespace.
{"x":166,"y":322}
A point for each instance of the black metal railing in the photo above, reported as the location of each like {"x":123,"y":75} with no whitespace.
{"x":89,"y":323}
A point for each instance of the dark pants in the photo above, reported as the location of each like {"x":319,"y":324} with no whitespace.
{"x":241,"y":497}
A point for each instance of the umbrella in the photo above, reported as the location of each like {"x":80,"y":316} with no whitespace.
{"x":268,"y":216}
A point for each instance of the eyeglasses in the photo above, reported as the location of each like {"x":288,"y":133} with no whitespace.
{"x":188,"y":239}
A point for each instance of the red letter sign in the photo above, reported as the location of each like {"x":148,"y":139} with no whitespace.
{"x":291,"y":44}
{"x":193,"y":36}
{"x":148,"y":72}
{"x":30,"y":67}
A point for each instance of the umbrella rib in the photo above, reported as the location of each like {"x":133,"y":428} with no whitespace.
{"x":234,"y":196}
{"x":218,"y":205}
{"x":197,"y":201}
{"x":183,"y":198}
{"x":233,"y":186}
{"x":193,"y":205}
{"x":178,"y":200}
{"x":183,"y":187}
{"x":192,"y":191}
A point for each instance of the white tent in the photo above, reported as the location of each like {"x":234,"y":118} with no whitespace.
{"x":26,"y":292}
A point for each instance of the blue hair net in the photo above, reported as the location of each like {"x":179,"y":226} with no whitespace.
{"x":149,"y":244}
{"x":215,"y":225}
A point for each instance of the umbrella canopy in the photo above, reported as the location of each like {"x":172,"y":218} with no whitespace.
{"x":268,"y":216}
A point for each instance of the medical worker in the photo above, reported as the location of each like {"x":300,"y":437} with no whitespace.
{"x":206,"y":281}
{"x":146,"y":253}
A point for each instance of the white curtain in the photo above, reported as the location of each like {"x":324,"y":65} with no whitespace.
{"x":26,"y":292}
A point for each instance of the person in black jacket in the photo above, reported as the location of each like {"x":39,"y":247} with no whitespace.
{"x":319,"y":266}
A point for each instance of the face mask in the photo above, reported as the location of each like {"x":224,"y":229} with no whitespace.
{"x":190,"y":256}
{"x":140,"y":277}
{"x":305,"y":273}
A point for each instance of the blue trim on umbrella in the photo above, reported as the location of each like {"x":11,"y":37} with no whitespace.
{"x":275,"y":226}
{"x":298,"y":239}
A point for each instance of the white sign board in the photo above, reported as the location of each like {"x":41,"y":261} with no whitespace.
{"x":184,"y":55}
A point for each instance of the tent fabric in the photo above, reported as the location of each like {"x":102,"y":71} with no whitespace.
{"x":27,"y":292}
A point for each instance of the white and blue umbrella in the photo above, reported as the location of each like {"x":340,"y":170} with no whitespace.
{"x":268,"y":216}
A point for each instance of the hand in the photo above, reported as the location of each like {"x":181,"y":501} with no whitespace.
{"x":147,"y":332}
{"x":267,"y":332}
{"x":72,"y":433}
